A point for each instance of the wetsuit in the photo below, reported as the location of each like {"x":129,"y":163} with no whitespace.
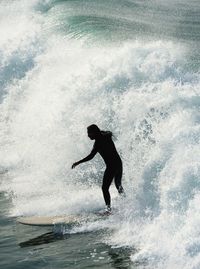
{"x":106,"y":148}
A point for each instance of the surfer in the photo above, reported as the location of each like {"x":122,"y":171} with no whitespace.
{"x":106,"y":148}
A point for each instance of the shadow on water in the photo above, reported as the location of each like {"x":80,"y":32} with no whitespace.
{"x":108,"y":256}
{"x":45,"y":238}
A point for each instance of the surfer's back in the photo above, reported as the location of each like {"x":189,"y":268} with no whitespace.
{"x":106,"y":148}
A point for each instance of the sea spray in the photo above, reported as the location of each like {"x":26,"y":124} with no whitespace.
{"x":142,"y":91}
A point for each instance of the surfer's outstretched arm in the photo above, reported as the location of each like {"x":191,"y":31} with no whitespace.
{"x":86,"y":159}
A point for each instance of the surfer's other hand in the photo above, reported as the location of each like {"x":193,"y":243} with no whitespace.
{"x":74,"y":165}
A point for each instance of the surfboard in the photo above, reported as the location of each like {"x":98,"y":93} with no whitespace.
{"x":63,"y":219}
{"x":50,"y":220}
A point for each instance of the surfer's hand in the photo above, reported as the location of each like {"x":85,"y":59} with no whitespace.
{"x":74,"y":165}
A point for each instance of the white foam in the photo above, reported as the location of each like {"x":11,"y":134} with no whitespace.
{"x":139,"y":91}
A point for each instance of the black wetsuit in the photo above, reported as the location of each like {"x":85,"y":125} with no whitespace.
{"x":106,"y":148}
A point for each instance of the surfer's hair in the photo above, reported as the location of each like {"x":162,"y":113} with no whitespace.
{"x":95,"y":129}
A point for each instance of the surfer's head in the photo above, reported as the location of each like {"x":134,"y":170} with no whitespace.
{"x":93,"y":131}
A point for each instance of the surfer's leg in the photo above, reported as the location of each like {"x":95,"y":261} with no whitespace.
{"x":107,"y":180}
{"x":118,"y":180}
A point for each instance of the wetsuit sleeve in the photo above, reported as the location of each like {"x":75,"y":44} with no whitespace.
{"x":90,"y":156}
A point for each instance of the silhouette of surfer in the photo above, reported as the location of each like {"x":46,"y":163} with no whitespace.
{"x":106,"y":148}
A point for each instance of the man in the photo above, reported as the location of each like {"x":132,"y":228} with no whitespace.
{"x":106,"y":148}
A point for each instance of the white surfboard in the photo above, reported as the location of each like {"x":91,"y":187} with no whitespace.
{"x":63,"y":219}
{"x":50,"y":220}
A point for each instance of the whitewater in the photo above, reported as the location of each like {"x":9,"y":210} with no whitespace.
{"x":131,"y":67}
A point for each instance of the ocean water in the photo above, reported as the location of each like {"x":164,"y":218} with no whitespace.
{"x":132,"y":67}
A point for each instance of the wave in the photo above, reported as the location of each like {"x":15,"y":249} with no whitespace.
{"x":54,"y":86}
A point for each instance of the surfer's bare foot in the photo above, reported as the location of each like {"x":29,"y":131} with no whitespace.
{"x":105,"y":212}
{"x":121,"y":191}
{"x":108,"y":210}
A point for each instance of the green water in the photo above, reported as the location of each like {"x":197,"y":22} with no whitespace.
{"x":131,"y":67}
{"x":39,"y":247}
